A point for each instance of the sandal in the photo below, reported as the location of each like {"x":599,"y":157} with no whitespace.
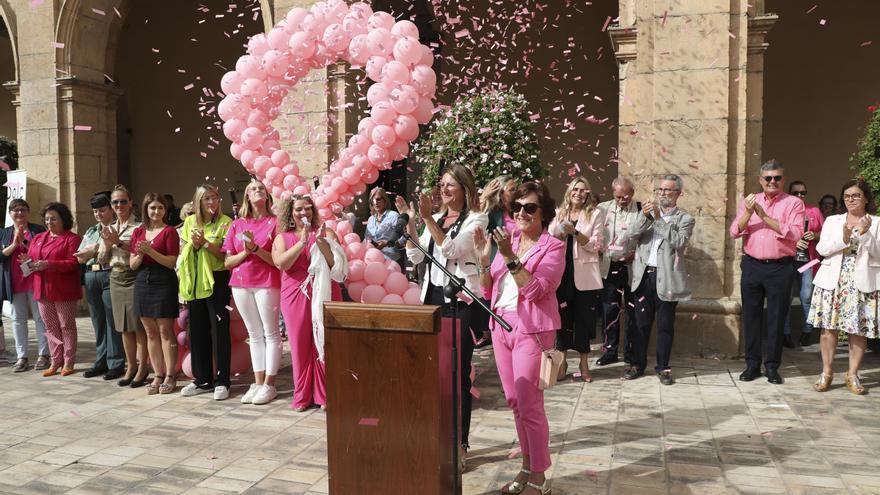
{"x":153,"y":387}
{"x":167,"y":388}
{"x":586,"y":375}
{"x":516,"y":486}
{"x":854,"y":384}
{"x":823,"y":383}
{"x":543,"y":488}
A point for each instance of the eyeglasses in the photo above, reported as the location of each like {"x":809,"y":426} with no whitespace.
{"x":770,"y":178}
{"x":119,"y":202}
{"x":663,"y":190}
{"x":852,"y":197}
{"x":529,"y":208}
{"x":19,"y":210}
{"x":799,"y":193}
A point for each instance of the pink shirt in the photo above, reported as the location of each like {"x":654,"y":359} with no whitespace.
{"x":814,"y":216}
{"x":253,"y":272}
{"x":762,"y":242}
{"x":20,"y":283}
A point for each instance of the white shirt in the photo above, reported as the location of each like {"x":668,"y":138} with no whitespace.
{"x":509,"y":296}
{"x":655,"y":240}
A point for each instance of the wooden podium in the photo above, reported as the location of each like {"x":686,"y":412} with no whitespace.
{"x":389,"y":400}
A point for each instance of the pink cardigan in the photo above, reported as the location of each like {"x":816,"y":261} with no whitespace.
{"x":587,"y":270}
{"x":537,"y":308}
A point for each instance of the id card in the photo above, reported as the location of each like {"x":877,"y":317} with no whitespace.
{"x":27,"y":267}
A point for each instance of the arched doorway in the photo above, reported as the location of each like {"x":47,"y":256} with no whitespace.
{"x":7,"y":75}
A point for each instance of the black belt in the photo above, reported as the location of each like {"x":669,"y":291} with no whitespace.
{"x":777,"y":261}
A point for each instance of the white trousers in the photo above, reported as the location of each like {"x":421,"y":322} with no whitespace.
{"x":21,"y":303}
{"x":259,"y":310}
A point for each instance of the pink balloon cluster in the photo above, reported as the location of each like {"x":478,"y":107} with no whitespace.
{"x":372,"y":278}
{"x":306,"y":39}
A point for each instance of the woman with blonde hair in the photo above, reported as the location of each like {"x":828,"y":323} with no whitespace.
{"x":256,"y":287}
{"x":579,"y":223}
{"x":382,"y":230}
{"x":204,"y":285}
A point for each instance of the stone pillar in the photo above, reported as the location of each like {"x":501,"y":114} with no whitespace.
{"x":690,"y":104}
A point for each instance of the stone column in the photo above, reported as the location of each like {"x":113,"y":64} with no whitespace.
{"x":690,"y":80}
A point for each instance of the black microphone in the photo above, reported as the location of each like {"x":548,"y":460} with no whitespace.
{"x":399,"y":228}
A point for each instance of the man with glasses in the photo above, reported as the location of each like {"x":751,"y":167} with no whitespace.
{"x":659,"y":280}
{"x":806,"y":252}
{"x":770,"y":223}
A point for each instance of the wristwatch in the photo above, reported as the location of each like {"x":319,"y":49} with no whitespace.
{"x":512,"y":266}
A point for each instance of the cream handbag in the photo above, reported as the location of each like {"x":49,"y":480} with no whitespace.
{"x":551,"y":361}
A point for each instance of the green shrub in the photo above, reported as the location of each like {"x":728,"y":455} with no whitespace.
{"x":866,"y":161}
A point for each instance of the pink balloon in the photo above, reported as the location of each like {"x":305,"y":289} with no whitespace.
{"x":374,"y":67}
{"x":360,"y":187}
{"x":383,"y":113}
{"x":278,"y":39}
{"x":356,"y":270}
{"x":372,"y":294}
{"x":405,"y":29}
{"x":257,"y":45}
{"x":302,"y":45}
{"x":393,"y":266}
{"x":262,"y":165}
{"x":251,"y":138}
{"x":359,"y":49}
{"x":294,"y":19}
{"x":356,"y":289}
{"x":249,"y":67}
{"x":248,"y":157}
{"x":289,"y":182}
{"x":404,"y":99}
{"x":280,"y":158}
{"x":408,"y":51}
{"x":181,"y":339}
{"x":344,"y":228}
{"x":231,"y":82}
{"x":413,"y":296}
{"x":381,"y":20}
{"x":275,"y":63}
{"x":275,"y":176}
{"x":257,"y":118}
{"x":186,"y":365}
{"x":361,"y":9}
{"x":365,"y":128}
{"x":233,"y":106}
{"x":406,"y":127}
{"x":355,"y":250}
{"x":374,"y":255}
{"x":335,"y":38}
{"x":351,"y":175}
{"x":349,"y":237}
{"x":358,"y":144}
{"x":384,"y":136}
{"x":371,"y":176}
{"x":233,"y":129}
{"x":399,"y":150}
{"x":396,"y":283}
{"x":254,"y":88}
{"x":236,"y":150}
{"x":424,"y":79}
{"x":424,"y":111}
{"x":427,"y":56}
{"x":301,"y":190}
{"x":391,"y":299}
{"x":375,"y":273}
{"x":346,"y":199}
{"x":396,"y":72}
{"x":382,"y":41}
{"x":353,"y":25}
{"x":378,"y":155}
{"x":377,"y":92}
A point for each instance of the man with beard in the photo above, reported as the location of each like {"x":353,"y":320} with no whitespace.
{"x":659,"y":280}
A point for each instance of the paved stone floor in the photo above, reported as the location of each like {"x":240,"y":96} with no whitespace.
{"x":707,"y":434}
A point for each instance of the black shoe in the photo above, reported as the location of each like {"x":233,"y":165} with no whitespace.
{"x":749,"y":374}
{"x":92,"y":372}
{"x":125,"y":382}
{"x":114,"y":373}
{"x":607,"y":358}
{"x":666,"y":377}
{"x":139,"y":383}
{"x":633,"y":373}
{"x":787,"y":341}
{"x":806,"y":339}
{"x":773,"y":377}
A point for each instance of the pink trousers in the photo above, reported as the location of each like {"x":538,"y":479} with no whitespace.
{"x":308,"y":372}
{"x":517,"y":356}
{"x":60,"y":320}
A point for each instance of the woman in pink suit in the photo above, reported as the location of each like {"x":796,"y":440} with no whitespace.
{"x":579,"y":224}
{"x":298,"y":231}
{"x":57,"y":287}
{"x":522,"y":282}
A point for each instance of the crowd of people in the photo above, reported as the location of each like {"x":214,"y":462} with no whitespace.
{"x":559,"y":276}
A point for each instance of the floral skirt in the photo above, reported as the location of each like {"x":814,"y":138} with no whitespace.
{"x":846,"y":308}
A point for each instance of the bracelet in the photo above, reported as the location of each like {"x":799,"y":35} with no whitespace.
{"x":255,"y":249}
{"x":483,"y":269}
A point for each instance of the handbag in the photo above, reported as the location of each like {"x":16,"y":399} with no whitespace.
{"x":551,"y":361}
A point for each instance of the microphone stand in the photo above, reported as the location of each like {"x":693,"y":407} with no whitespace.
{"x":451,"y":291}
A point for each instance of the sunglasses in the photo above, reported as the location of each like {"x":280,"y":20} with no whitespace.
{"x":119,"y":202}
{"x":530,"y":208}
{"x":770,"y":178}
{"x":799,"y":193}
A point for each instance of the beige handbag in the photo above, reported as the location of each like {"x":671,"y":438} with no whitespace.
{"x":551,"y":361}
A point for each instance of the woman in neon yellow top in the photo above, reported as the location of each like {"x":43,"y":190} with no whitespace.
{"x":204,"y":285}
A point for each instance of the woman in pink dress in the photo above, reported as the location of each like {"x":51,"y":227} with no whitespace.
{"x":298,"y":231}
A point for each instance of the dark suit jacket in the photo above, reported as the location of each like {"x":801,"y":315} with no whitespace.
{"x":6,"y":236}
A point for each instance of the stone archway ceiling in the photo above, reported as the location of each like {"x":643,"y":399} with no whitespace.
{"x":8,"y":31}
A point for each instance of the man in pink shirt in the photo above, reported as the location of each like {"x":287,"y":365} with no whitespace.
{"x":813,"y":221}
{"x":770,"y":223}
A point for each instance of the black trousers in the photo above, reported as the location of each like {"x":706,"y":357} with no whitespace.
{"x":617,"y":282}
{"x":578,"y":321}
{"x":648,"y":305}
{"x":468,"y":315}
{"x":760,"y":281}
{"x":209,"y":339}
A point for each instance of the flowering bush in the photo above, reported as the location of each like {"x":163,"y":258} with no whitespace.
{"x":490,"y":133}
{"x":866,"y":160}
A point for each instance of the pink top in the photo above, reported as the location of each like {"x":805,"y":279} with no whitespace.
{"x":166,"y":242}
{"x":814,"y":216}
{"x":61,"y":280}
{"x":294,"y":276}
{"x":253,"y":272}
{"x":20,"y":283}
{"x":762,"y":242}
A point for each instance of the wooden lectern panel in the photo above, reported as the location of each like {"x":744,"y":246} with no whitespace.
{"x":388,"y":400}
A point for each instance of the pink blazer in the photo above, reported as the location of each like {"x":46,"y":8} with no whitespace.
{"x":61,"y":280}
{"x":537,"y":308}
{"x":587,"y":264}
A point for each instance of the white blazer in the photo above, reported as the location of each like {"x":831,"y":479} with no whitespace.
{"x":459,"y":254}
{"x":831,"y":246}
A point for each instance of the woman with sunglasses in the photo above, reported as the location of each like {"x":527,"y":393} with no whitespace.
{"x":115,"y":250}
{"x":522,"y":281}
{"x":846,"y":294}
{"x":449,"y":238}
{"x":579,"y":223}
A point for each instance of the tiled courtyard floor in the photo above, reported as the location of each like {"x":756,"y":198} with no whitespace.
{"x":709,"y":433}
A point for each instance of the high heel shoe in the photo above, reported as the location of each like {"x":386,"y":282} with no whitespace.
{"x":854,"y":384}
{"x":153,"y":387}
{"x":585,"y":374}
{"x":823,"y":383}
{"x":516,"y":486}
{"x":543,"y":488}
{"x":563,"y":371}
{"x":167,"y":388}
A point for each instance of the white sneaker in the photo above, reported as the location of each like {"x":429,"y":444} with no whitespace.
{"x":249,"y":395}
{"x":266,"y":394}
{"x":221,"y":392}
{"x":192,"y":390}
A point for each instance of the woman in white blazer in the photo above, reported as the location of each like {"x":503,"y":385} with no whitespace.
{"x":579,"y":223}
{"x":449,"y":237}
{"x":846,"y":290}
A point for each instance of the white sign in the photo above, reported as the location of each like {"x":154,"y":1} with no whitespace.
{"x":16,"y":183}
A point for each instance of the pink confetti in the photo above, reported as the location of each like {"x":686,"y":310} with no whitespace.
{"x":36,"y":3}
{"x":694,"y":316}
{"x":56,"y":44}
{"x":188,"y":87}
{"x":74,"y":413}
{"x":822,"y":22}
{"x":866,"y":43}
{"x":475,"y":392}
{"x":369,"y":422}
{"x":514,"y":453}
{"x":462,"y":33}
{"x":230,"y":308}
{"x":82,"y":128}
{"x":98,"y":11}
{"x":607,"y":22}
{"x":808,"y":266}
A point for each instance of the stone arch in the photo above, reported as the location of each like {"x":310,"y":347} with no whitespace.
{"x":7,"y":18}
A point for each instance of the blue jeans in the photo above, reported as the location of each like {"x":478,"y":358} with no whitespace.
{"x":805,"y":282}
